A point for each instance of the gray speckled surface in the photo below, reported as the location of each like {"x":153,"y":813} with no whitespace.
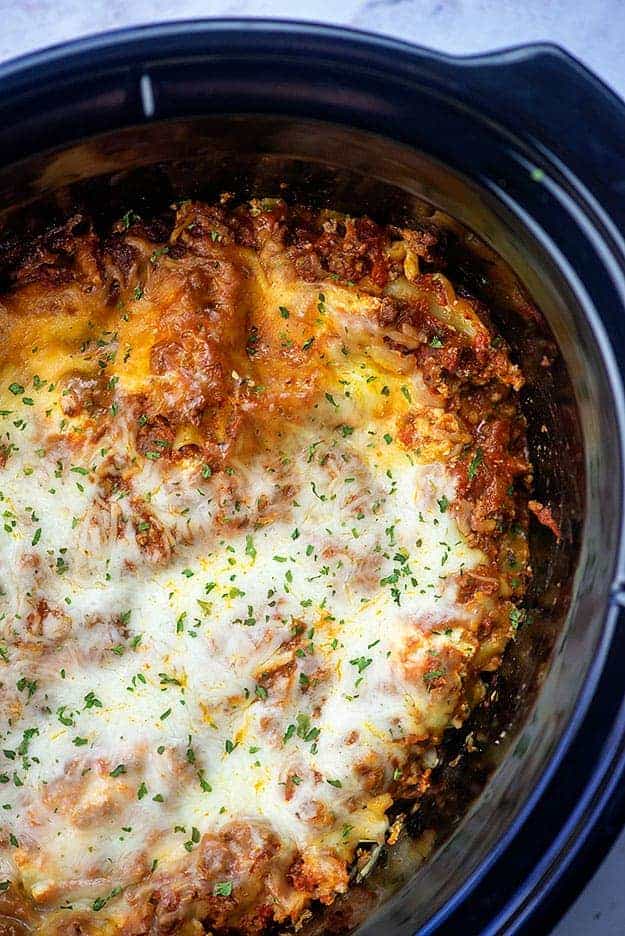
{"x":594,"y":30}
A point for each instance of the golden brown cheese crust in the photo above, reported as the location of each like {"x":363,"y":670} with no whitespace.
{"x":212,"y":341}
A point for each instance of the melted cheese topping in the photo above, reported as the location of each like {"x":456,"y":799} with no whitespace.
{"x":274,"y":639}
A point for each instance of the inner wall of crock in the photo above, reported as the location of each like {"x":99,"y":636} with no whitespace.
{"x":565,"y":404}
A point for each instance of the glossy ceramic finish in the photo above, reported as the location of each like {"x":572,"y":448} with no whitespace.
{"x":493,"y":140}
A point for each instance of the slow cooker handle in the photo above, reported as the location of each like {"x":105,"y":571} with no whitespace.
{"x":553,"y":101}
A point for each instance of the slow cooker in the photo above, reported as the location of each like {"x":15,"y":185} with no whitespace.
{"x":526,"y":148}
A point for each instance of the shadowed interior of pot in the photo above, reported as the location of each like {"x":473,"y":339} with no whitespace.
{"x":491,"y":765}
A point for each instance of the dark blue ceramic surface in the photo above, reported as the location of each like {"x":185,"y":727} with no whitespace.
{"x":546,"y":139}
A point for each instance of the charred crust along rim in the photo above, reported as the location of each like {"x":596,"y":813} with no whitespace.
{"x":265,"y":492}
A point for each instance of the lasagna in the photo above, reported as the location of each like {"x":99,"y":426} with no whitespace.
{"x":263,"y":482}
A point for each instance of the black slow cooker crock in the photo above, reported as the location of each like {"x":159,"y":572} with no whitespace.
{"x":526,"y":148}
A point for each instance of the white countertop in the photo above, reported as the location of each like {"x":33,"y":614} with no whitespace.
{"x":593,"y":30}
